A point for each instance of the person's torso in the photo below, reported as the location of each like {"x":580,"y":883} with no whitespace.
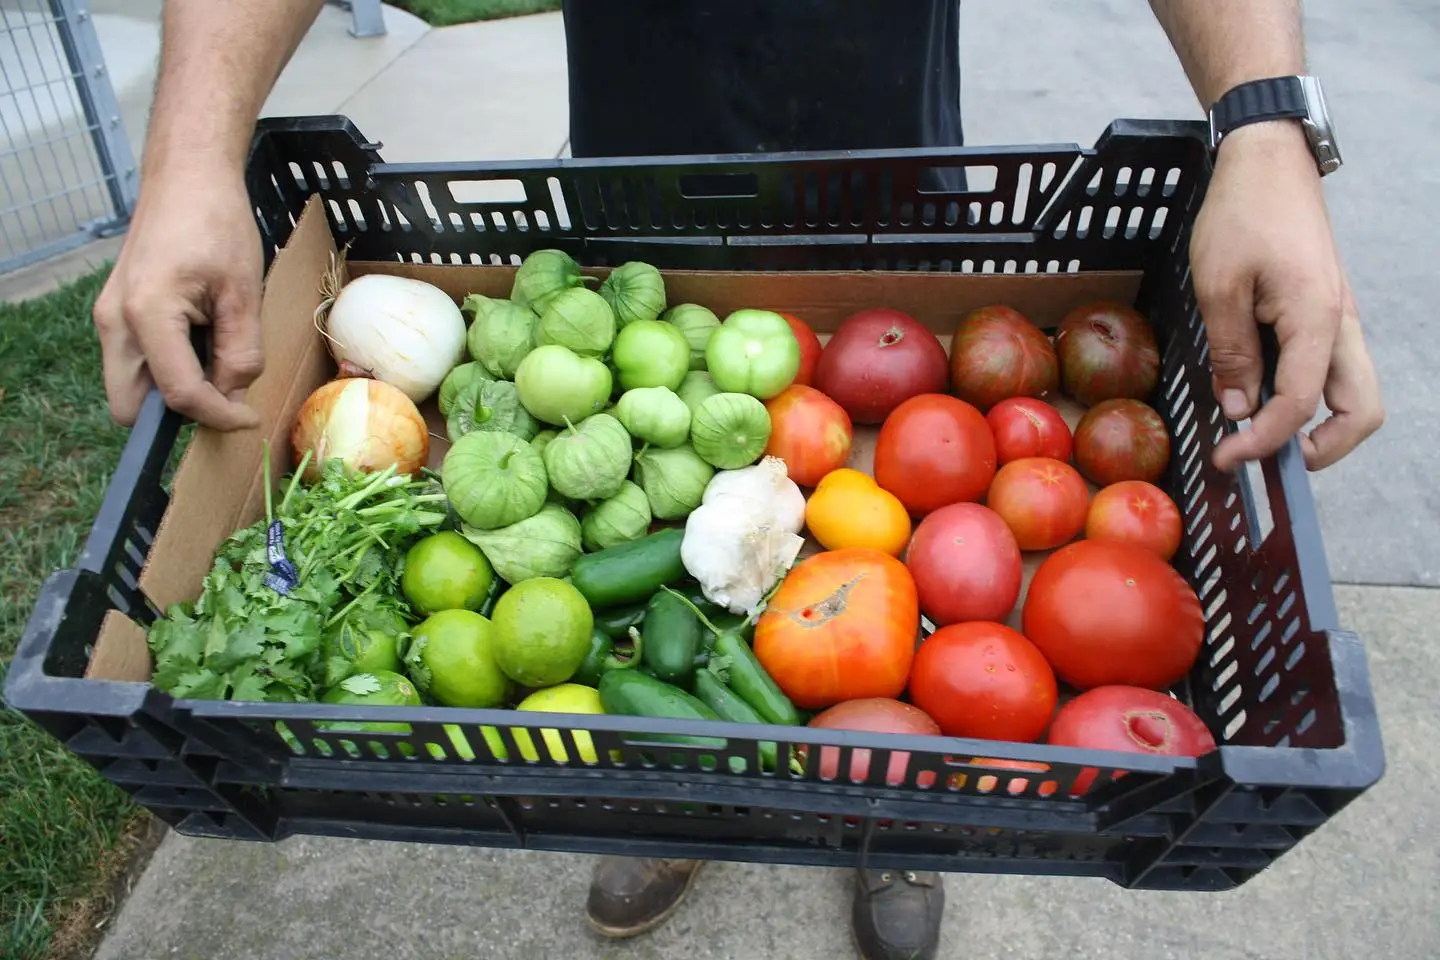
{"x":666,"y":77}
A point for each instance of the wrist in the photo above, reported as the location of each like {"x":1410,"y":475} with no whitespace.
{"x":185,"y":159}
{"x":1273,"y":142}
{"x":186,"y":180}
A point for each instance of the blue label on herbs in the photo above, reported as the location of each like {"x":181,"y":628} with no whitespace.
{"x":279,"y":584}
{"x":283,"y":576}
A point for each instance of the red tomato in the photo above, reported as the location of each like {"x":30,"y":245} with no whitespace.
{"x":966,"y":564}
{"x":1130,"y":720}
{"x":935,"y":450}
{"x":983,"y":680}
{"x":809,"y":348}
{"x":878,"y":359}
{"x":998,"y":353}
{"x":1107,"y":350}
{"x":1121,"y":440}
{"x":809,"y":432}
{"x":841,"y":626}
{"x":1134,"y":511}
{"x":875,"y":715}
{"x":1042,"y":500}
{"x":1107,"y":613}
{"x":1026,"y":427}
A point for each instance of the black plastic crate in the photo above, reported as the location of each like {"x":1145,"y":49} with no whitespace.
{"x":1284,"y":689}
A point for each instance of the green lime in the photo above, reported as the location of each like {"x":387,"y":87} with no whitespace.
{"x":452,"y":658}
{"x":367,"y":639}
{"x":542,"y":631}
{"x":445,"y":571}
{"x":382,"y":688}
{"x":563,"y":698}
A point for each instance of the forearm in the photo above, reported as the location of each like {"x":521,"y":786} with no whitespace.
{"x":1222,"y":43}
{"x":218,"y":61}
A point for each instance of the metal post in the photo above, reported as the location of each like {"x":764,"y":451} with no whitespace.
{"x":97,"y":97}
{"x":368,"y":18}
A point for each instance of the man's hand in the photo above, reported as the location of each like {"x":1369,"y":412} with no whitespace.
{"x":192,"y":256}
{"x":1262,"y":253}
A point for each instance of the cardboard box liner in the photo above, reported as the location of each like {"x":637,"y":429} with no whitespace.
{"x":219,"y":487}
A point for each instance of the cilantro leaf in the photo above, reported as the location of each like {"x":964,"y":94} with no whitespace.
{"x":244,"y":646}
{"x":176,"y":640}
{"x":169,"y":673}
{"x":361,"y":684}
{"x":253,"y":687}
{"x":217,"y":638}
{"x":199,"y":685}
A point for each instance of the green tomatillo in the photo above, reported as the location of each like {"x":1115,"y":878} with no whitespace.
{"x":652,"y":353}
{"x":754,"y":352}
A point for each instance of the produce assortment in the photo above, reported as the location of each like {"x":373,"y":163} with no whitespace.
{"x":647,"y":509}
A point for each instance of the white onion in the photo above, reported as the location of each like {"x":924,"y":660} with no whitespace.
{"x":405,"y":332}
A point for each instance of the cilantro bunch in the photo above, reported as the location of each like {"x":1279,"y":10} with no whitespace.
{"x":255,"y":631}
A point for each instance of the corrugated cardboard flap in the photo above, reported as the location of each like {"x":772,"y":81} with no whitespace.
{"x":218,"y":486}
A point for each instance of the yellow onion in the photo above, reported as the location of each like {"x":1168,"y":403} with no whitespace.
{"x":367,"y":423}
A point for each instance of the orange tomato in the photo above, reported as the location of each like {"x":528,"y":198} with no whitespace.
{"x":809,"y":431}
{"x":849,"y":509}
{"x":842,"y":626}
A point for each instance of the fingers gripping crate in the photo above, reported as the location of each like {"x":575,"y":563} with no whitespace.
{"x":1283,"y":688}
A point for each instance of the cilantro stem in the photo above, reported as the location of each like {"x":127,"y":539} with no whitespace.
{"x":396,"y":505}
{"x":340,"y":614}
{"x":294,"y":479}
{"x":265,"y":469}
{"x":364,"y":493}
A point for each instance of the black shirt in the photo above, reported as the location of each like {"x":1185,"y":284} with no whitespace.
{"x":666,"y":77}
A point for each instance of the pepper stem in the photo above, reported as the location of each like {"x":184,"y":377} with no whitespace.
{"x":636,"y":647}
{"x":693,"y":609}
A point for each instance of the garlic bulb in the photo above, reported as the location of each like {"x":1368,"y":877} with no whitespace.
{"x":744,"y":536}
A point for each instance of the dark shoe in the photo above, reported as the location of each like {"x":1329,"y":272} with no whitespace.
{"x":896,"y":915}
{"x":630,"y":896}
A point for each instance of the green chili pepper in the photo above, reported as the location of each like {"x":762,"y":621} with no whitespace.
{"x":604,"y":656}
{"x":745,"y":674}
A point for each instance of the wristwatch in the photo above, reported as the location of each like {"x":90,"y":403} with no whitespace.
{"x":1280,"y":98}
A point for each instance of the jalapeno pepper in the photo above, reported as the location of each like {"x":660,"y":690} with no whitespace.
{"x":745,"y":674}
{"x":672,"y":637}
{"x":615,"y":622}
{"x":605,"y":656}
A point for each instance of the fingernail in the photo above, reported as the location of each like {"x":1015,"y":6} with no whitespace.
{"x":1233,"y":402}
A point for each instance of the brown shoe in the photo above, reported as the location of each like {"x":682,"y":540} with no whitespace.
{"x":630,"y":896}
{"x":896,"y":914}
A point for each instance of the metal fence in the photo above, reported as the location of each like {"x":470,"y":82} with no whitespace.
{"x":67,"y":173}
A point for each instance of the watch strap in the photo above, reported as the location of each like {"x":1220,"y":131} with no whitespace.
{"x":1276,"y":98}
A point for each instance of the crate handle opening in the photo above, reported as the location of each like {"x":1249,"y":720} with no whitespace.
{"x":719,"y":186}
{"x":488,"y":191}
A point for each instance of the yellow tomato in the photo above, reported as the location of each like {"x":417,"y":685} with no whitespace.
{"x":849,"y":509}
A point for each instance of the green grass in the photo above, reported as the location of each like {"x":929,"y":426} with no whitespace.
{"x":63,"y":828}
{"x":443,"y":13}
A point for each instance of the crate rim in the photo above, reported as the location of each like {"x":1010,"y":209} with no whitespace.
{"x":1194,"y":129}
